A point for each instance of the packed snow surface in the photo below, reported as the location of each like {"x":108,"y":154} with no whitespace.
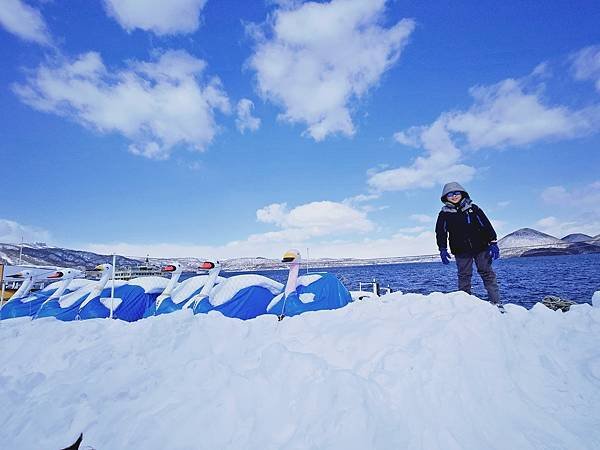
{"x":443,"y":371}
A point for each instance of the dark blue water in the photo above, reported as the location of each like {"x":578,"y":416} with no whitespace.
{"x":523,"y":281}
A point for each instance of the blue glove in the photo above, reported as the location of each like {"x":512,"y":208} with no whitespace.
{"x":445,"y":256}
{"x":494,"y":250}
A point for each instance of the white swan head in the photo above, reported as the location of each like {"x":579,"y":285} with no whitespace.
{"x":173,"y":268}
{"x":62,"y":274}
{"x":103,"y":267}
{"x":22,"y":275}
{"x":291,"y":257}
{"x":209,"y":265}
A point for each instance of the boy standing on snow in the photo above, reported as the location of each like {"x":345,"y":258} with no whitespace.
{"x":472,"y":238}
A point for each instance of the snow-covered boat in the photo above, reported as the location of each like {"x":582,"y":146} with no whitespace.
{"x":128,"y":302}
{"x":312,"y":292}
{"x":28,"y":305}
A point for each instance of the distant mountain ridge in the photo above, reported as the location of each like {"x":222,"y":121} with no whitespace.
{"x":577,"y":237}
{"x":522,"y":242}
{"x":530,"y":242}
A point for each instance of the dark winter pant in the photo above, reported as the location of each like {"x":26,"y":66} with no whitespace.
{"x":483,"y":261}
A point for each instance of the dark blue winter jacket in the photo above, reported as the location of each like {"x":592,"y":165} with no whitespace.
{"x":467,"y":228}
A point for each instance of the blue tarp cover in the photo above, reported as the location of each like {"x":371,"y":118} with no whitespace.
{"x":134,"y":302}
{"x":168,"y":305}
{"x":53,"y":309}
{"x":28,"y":306}
{"x":247,"y":303}
{"x":329,"y":293}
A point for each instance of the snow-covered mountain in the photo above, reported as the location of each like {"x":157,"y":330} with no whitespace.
{"x":524,"y":239}
{"x":530,"y":242}
{"x":577,"y":237}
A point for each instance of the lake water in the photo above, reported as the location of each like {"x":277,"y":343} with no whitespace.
{"x":523,"y":281}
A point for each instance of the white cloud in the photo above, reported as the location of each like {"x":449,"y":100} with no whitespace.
{"x":156,"y":105}
{"x":159,"y":16}
{"x":311,"y":220}
{"x":316,"y":58}
{"x":581,"y":205}
{"x":421,"y":218}
{"x":584,"y":198}
{"x":410,"y":230}
{"x":439,"y":165}
{"x":361,"y":198}
{"x":586,"y":64}
{"x":510,"y":113}
{"x":329,"y":229}
{"x":24,"y":21}
{"x":400,"y":244}
{"x":13,"y":232}
{"x":560,"y":228}
{"x":245,"y":120}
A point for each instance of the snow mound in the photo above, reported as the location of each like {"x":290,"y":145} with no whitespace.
{"x":150,"y":285}
{"x":225,"y":291}
{"x":307,"y":280}
{"x":443,"y":371}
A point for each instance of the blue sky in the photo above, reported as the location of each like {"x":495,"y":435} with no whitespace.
{"x":235,"y":128}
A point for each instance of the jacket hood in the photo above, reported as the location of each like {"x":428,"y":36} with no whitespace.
{"x":451,"y":187}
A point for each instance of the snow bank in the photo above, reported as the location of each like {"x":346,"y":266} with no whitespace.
{"x":443,"y":371}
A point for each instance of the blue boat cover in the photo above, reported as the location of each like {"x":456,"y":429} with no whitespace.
{"x":134,"y":302}
{"x":328,"y":292}
{"x":247,"y":303}
{"x":53,"y":308}
{"x":27,"y":306}
{"x":168,"y":305}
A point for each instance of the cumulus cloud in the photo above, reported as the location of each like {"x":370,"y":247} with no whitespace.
{"x":156,"y":105}
{"x":421,"y":218}
{"x":585,"y":197}
{"x":511,"y":113}
{"x":24,"y":21}
{"x":560,"y":227}
{"x":314,"y":59}
{"x":245,"y":120}
{"x":440,"y":164}
{"x":12,"y":232}
{"x":399,"y":244}
{"x":160,"y":17}
{"x":580,"y":204}
{"x":329,"y":229}
{"x":311,"y":220}
{"x":586,"y":64}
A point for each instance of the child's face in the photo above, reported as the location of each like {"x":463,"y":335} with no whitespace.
{"x":454,"y":197}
